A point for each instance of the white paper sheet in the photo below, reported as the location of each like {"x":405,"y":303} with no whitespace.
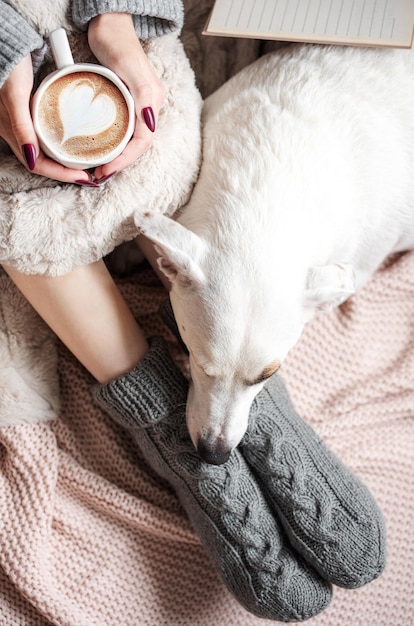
{"x":375,"y":22}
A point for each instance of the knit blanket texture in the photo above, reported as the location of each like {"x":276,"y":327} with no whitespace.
{"x":89,"y":535}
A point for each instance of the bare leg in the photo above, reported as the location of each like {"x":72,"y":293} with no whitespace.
{"x":88,"y":313}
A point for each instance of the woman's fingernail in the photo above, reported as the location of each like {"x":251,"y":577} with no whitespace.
{"x":29,"y":153}
{"x":103,"y":179}
{"x":88,"y":183}
{"x":149,"y":118}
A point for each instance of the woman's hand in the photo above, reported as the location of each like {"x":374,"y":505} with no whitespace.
{"x":16,"y":126}
{"x":113,"y":41}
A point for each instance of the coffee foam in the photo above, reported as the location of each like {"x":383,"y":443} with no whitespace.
{"x":83,"y":115}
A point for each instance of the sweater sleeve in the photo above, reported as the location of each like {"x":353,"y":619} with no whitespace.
{"x":17,"y":39}
{"x":152,"y":18}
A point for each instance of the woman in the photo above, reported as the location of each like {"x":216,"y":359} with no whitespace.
{"x":85,"y":308}
{"x":246,"y":519}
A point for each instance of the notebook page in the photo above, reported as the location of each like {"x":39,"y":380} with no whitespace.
{"x":375,"y":22}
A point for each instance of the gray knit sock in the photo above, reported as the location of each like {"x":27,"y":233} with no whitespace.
{"x":329,"y":516}
{"x":224,"y":503}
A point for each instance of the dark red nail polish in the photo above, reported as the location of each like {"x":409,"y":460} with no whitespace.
{"x":87,"y":183}
{"x":149,"y":118}
{"x":29,"y":152}
{"x":103,"y":179}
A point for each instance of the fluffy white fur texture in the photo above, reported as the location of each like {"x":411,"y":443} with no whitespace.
{"x":306,"y":186}
{"x":29,"y":385}
{"x":50,"y":228}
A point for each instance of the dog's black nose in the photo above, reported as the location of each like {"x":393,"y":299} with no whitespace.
{"x":214,"y":453}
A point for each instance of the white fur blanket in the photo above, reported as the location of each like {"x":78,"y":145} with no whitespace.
{"x":89,"y":536}
{"x":51,"y":228}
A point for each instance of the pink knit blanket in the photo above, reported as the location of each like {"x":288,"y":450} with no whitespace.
{"x":90,"y":536}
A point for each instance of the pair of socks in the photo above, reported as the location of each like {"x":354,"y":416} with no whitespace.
{"x":329,"y":516}
{"x":282,"y":519}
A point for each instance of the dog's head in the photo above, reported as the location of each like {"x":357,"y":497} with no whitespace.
{"x":238,"y":322}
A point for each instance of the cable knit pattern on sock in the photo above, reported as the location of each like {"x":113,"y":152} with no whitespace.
{"x":329,"y":515}
{"x":224,"y":504}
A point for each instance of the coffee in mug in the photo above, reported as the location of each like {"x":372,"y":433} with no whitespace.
{"x":83,"y":114}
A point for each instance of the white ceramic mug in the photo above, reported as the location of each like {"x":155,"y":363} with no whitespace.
{"x":89,"y":121}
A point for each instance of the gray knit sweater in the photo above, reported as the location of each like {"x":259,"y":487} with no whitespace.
{"x":152,"y":18}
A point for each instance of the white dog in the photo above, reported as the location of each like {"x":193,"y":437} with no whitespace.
{"x":306,"y":185}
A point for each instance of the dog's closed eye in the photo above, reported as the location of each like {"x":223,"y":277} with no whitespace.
{"x":265,"y":374}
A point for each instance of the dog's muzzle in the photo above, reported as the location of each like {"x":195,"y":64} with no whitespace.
{"x":213,"y":451}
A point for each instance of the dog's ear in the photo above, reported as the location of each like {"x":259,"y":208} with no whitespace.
{"x":180,"y":249}
{"x":328,"y":286}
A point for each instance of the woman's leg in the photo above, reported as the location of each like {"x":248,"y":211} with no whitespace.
{"x":88,"y":313}
{"x":147,"y":396}
{"x":243,"y":537}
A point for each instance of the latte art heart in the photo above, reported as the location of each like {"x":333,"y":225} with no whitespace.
{"x":84,"y":116}
{"x":84,"y":112}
